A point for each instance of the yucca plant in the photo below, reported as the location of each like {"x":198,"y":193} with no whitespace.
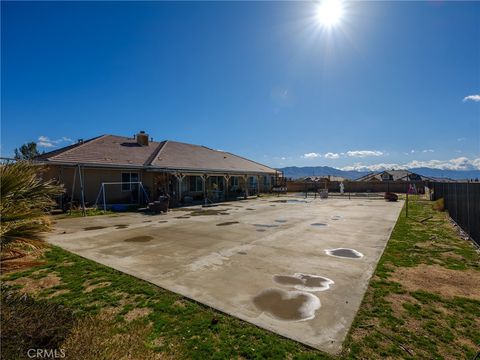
{"x":25,"y":198}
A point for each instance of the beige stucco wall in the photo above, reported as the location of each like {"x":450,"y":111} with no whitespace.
{"x":93,"y":178}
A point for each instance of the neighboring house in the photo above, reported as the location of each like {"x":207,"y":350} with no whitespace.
{"x":393,"y":175}
{"x":130,"y":165}
{"x":329,"y":178}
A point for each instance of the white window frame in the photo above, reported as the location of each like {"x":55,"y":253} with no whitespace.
{"x":129,"y":180}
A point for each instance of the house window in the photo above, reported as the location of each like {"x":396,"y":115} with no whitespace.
{"x":252,"y":181}
{"x":234,"y":181}
{"x":127,"y":179}
{"x":196,"y":183}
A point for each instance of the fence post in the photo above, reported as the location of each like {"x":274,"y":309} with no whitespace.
{"x":456,"y":203}
{"x":468,"y":211}
{"x":406,"y":206}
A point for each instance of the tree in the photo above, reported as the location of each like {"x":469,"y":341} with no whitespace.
{"x":27,"y":151}
{"x":24,"y":198}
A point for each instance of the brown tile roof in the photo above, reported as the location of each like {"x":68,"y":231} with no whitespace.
{"x":110,"y":150}
{"x":396,"y":175}
{"x":177,"y":155}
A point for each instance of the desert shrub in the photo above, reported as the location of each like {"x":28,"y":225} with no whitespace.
{"x":439,"y":205}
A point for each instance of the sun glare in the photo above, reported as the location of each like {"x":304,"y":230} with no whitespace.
{"x":329,"y":12}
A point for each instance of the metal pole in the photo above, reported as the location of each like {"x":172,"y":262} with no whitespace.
{"x":104,"y":202}
{"x":204,"y":189}
{"x":73,"y":188}
{"x":81,"y":190}
{"x":406,"y":203}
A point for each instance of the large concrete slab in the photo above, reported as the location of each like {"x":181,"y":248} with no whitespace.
{"x":231,"y":267}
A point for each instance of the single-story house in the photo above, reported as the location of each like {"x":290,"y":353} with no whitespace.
{"x":325,"y":178}
{"x":393,"y":175}
{"x":122,"y":170}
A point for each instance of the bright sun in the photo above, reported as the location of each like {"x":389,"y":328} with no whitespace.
{"x":329,"y":12}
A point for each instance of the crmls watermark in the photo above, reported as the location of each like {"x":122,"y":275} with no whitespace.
{"x":46,"y":353}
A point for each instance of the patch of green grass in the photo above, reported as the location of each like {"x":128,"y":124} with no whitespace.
{"x":88,"y":212}
{"x":394,"y":322}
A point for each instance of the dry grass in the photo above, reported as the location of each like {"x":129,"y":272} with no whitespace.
{"x":102,"y":337}
{"x":34,"y":285}
{"x":439,"y":280}
{"x":98,"y":285}
{"x":137,"y":313}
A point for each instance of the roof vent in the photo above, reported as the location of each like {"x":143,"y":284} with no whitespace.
{"x":142,"y":138}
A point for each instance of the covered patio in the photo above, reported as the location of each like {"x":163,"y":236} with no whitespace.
{"x":210,"y":187}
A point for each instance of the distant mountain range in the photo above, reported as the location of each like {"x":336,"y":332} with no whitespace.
{"x":299,"y":172}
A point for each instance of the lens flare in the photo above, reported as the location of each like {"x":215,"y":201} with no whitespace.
{"x":329,"y":12}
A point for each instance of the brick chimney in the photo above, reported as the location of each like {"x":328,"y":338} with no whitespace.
{"x":142,"y":138}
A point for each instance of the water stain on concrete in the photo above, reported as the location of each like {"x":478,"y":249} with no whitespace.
{"x":265,"y":225}
{"x":121,"y":226}
{"x":88,"y":228}
{"x":336,"y":217}
{"x":344,"y":253}
{"x":319,"y":224}
{"x":147,"y":221}
{"x":182,"y":217}
{"x":227,"y":223}
{"x":250,"y":209}
{"x":162,"y":221}
{"x":287,"y":305}
{"x":242,"y":253}
{"x":290,"y":201}
{"x":144,"y":238}
{"x":261,"y":230}
{"x":281,"y":221}
{"x":304,"y":282}
{"x":224,"y":213}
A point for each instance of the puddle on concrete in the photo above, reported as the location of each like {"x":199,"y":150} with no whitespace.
{"x":336,"y":217}
{"x":289,"y":201}
{"x":344,"y":253}
{"x":265,"y":225}
{"x":250,"y":209}
{"x":144,"y":238}
{"x":242,"y":253}
{"x":182,"y":217}
{"x":319,"y":224}
{"x":224,"y":213}
{"x":145,"y":221}
{"x":162,"y":221}
{"x":94,"y":228}
{"x":261,"y":230}
{"x":227,"y":223}
{"x":121,"y":226}
{"x":304,"y":282}
{"x":281,"y":221}
{"x":287,"y":305}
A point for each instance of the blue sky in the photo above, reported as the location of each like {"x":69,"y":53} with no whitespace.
{"x":392,"y":84}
